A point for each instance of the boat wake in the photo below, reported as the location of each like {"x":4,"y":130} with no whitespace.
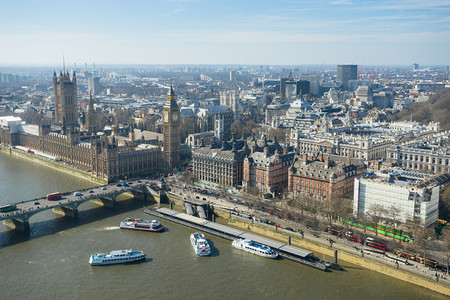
{"x":110,"y":228}
{"x":34,"y":262}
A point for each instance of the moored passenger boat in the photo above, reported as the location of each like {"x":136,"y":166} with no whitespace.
{"x":144,"y":225}
{"x":116,"y":257}
{"x":253,"y":247}
{"x":200,"y":244}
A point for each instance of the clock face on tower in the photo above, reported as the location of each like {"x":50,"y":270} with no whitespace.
{"x":175,"y":117}
{"x":166,"y":117}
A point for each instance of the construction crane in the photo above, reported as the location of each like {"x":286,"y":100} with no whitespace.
{"x":320,"y":68}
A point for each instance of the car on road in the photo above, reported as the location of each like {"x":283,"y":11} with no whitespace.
{"x":91,"y":191}
{"x":197,"y":197}
{"x":290,"y":229}
{"x":77,"y":194}
{"x":204,"y":199}
{"x":36,"y":203}
{"x":103,"y":188}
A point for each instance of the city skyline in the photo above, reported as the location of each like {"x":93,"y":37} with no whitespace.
{"x":203,"y":32}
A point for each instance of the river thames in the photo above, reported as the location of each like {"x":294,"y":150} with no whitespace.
{"x":52,"y":261}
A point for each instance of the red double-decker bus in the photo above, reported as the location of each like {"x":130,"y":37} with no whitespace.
{"x":54,"y":196}
{"x":355,"y":239}
{"x":374,"y":244}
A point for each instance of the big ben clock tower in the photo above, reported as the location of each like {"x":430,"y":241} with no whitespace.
{"x":171,"y":131}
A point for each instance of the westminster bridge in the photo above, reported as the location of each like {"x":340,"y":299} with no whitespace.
{"x":68,"y":204}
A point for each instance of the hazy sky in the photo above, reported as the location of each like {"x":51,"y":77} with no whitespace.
{"x":379,"y":32}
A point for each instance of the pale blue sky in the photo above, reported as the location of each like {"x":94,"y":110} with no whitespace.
{"x":259,"y":32}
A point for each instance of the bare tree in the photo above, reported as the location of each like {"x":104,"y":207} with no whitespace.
{"x":423,"y":238}
{"x":328,"y":208}
{"x":446,"y":250}
{"x":377,"y":213}
{"x":393,"y":213}
{"x":363,"y":218}
{"x":188,"y":178}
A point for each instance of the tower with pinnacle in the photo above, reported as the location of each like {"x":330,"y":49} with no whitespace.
{"x":91,"y":118}
{"x":171,"y":130}
{"x":65,"y":91}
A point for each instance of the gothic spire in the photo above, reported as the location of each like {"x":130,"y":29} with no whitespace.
{"x":171,"y":98}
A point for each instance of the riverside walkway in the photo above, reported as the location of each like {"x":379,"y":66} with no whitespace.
{"x":69,"y":202}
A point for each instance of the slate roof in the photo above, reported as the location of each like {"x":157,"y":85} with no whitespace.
{"x":319,"y":170}
{"x":258,"y":159}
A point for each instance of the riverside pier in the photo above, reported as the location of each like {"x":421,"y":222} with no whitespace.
{"x":285,"y":250}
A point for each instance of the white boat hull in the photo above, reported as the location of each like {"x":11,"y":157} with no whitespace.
{"x":200,"y":246}
{"x":255,"y":250}
{"x":116,"y":257}
{"x":142,"y":225}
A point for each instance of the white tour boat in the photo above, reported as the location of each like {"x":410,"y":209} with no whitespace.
{"x":200,"y":244}
{"x":116,"y":257}
{"x":144,"y":225}
{"x":253,"y":247}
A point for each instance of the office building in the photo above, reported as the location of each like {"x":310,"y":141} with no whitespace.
{"x":346,"y":73}
{"x":407,"y":195}
{"x":220,"y":165}
{"x":94,"y":87}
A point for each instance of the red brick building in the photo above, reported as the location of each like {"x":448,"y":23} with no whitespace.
{"x":267,"y":166}
{"x":324,"y":175}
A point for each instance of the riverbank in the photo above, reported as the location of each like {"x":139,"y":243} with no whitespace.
{"x":343,"y":254}
{"x":54,"y":165}
{"x":419,"y":276}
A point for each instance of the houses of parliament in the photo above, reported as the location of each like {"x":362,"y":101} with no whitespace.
{"x":80,"y":146}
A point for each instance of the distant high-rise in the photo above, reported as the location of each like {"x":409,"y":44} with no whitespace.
{"x":283,"y":87}
{"x":291,"y":90}
{"x":415,"y":66}
{"x":346,"y":73}
{"x":303,"y":87}
{"x":232,"y":75}
{"x":65,"y":92}
{"x":94,"y":85}
{"x":314,"y":84}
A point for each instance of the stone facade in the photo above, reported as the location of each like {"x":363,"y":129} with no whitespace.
{"x":431,"y":155}
{"x":106,"y":157}
{"x":223,"y":165}
{"x":171,"y":131}
{"x":66,"y":102}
